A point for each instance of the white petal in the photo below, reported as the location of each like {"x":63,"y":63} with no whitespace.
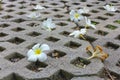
{"x":44,"y":26}
{"x":93,"y":26}
{"x":80,"y":11}
{"x":53,"y":25}
{"x":77,"y":35}
{"x":104,"y":7}
{"x":49,"y":29}
{"x":49,"y":20}
{"x":80,"y":18}
{"x":76,"y":20}
{"x":44,"y":47}
{"x":42,"y":57}
{"x":89,"y":21}
{"x":83,"y":31}
{"x":71,"y":34}
{"x":74,"y":33}
{"x":71,"y":17}
{"x":32,"y":58}
{"x":107,"y":7}
{"x":36,"y":46}
{"x":113,"y":8}
{"x":30,"y":52}
{"x":48,"y":24}
{"x":39,"y":7}
{"x":85,"y":19}
{"x":34,"y":15}
{"x":72,"y":12}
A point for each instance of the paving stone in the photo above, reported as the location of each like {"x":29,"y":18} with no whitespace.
{"x":87,"y":78}
{"x":18,"y":34}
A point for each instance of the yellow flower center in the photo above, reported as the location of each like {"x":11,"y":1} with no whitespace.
{"x":38,"y":51}
{"x":76,"y":15}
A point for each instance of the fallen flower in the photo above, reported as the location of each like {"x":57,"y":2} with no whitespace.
{"x":89,"y":23}
{"x":48,"y":25}
{"x":37,"y":54}
{"x":75,"y":16}
{"x":34,"y":15}
{"x":110,"y":8}
{"x":79,"y":33}
{"x":97,"y":53}
{"x":84,"y":10}
{"x":38,"y":7}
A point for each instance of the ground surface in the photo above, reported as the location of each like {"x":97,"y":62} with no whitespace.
{"x":18,"y":35}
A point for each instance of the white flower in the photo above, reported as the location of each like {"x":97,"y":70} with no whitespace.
{"x":39,"y":7}
{"x":36,"y":53}
{"x":48,"y":24}
{"x":110,"y":8}
{"x":88,"y":23}
{"x":78,"y":33}
{"x":84,"y":10}
{"x":75,"y":16}
{"x":34,"y":15}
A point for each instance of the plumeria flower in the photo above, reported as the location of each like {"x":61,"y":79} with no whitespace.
{"x":39,"y":7}
{"x":84,"y":10}
{"x":110,"y":8}
{"x":78,"y":33}
{"x":34,"y":15}
{"x":37,"y":53}
{"x":48,"y":24}
{"x":89,"y":23}
{"x":75,"y":16}
{"x":97,"y":53}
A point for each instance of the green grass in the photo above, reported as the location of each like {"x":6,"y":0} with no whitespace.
{"x":111,"y":27}
{"x":95,"y":23}
{"x":117,"y":21}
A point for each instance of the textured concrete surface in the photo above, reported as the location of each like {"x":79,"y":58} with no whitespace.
{"x":18,"y":35}
{"x":87,"y":78}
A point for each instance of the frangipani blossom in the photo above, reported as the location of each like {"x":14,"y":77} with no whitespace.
{"x":97,"y":53}
{"x":78,"y":33}
{"x":89,"y":23}
{"x":48,"y":24}
{"x":38,"y":7}
{"x":37,"y":53}
{"x":34,"y":15}
{"x":84,"y":10}
{"x":75,"y":16}
{"x":110,"y":8}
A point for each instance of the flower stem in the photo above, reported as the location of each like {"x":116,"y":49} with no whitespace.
{"x":86,"y":26}
{"x":83,"y":37}
{"x":91,"y":57}
{"x":77,"y":24}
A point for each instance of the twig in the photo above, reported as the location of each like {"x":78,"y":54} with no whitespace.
{"x":110,"y":76}
{"x":103,"y":62}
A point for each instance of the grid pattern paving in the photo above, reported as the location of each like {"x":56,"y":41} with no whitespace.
{"x":18,"y":34}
